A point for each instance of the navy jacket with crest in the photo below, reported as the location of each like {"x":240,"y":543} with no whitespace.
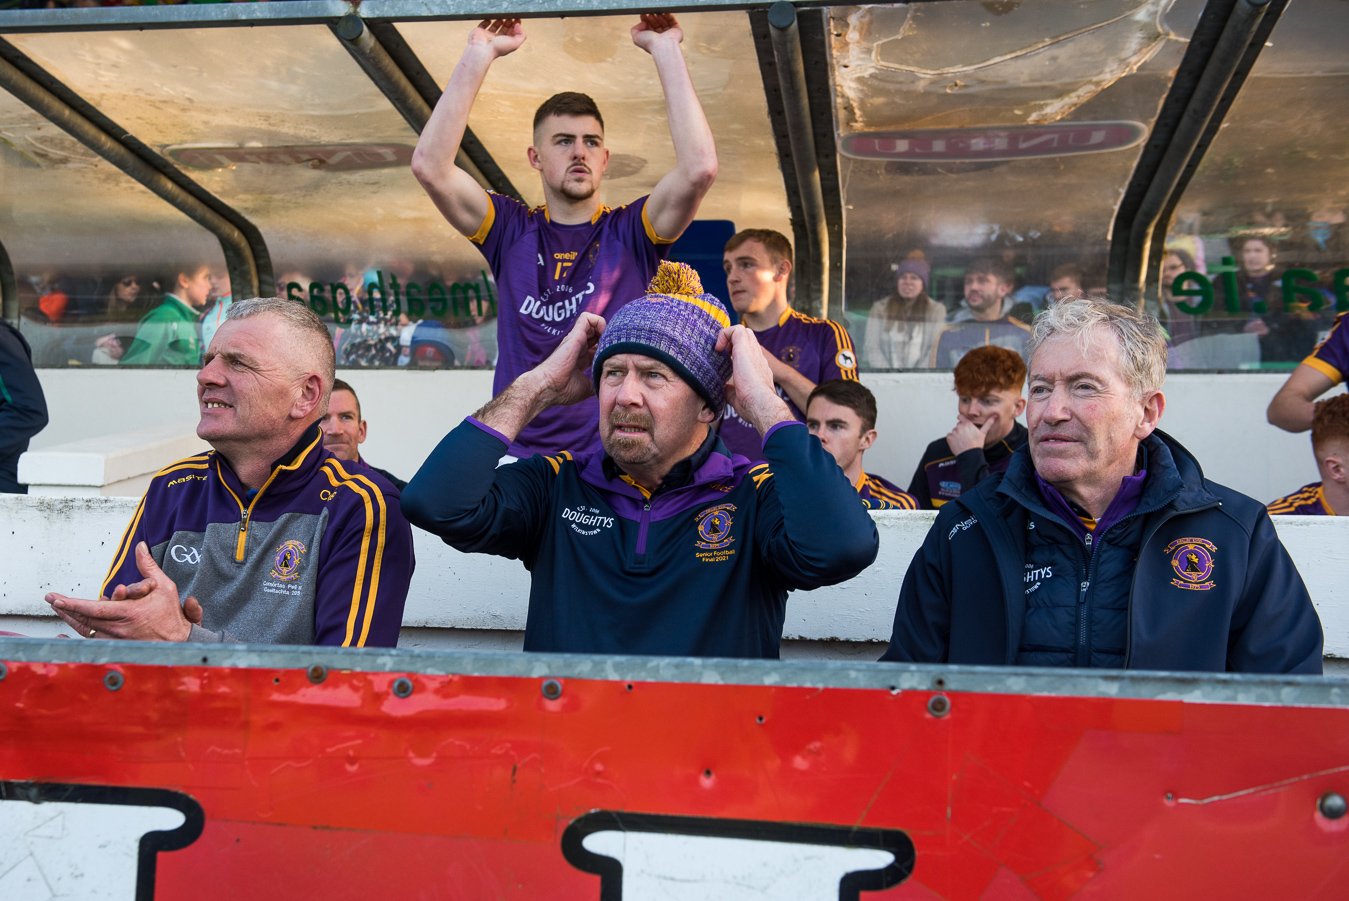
{"x":1194,"y":579}
{"x":698,"y":570}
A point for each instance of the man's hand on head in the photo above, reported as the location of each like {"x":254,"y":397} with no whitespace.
{"x":501,"y":36}
{"x":756,"y":396}
{"x":968,"y":436}
{"x":655,"y":28}
{"x":565,"y":376}
{"x":148,"y":610}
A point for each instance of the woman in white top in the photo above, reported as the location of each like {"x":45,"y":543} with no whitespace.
{"x":902,"y":328}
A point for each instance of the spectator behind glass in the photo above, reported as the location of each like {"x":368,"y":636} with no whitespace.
{"x":1068,"y":280}
{"x":982,"y":318}
{"x":802,"y":351}
{"x":1180,"y":326}
{"x":123,"y":303}
{"x":168,"y":335}
{"x":988,"y":382}
{"x":222,"y":298}
{"x":902,"y":328}
{"x":842,"y":415}
{"x":1286,"y":334}
{"x":579,"y":255}
{"x":1330,"y":445}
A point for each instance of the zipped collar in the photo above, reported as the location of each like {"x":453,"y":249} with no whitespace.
{"x":303,"y":457}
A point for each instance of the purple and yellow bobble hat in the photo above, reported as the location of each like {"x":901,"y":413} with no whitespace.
{"x":676,"y":323}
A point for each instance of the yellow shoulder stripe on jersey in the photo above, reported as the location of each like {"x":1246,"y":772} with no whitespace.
{"x":485,"y":228}
{"x":365,"y":590}
{"x":760,"y":474}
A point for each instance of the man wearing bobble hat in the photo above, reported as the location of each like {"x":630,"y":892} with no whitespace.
{"x":661,"y":543}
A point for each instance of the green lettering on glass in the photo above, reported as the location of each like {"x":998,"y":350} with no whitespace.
{"x":1301,"y":283}
{"x":1341,"y":282}
{"x":390,"y":297}
{"x":435,"y":299}
{"x":1203,"y":290}
{"x":342,"y":304}
{"x":416,"y":309}
{"x":1231,"y":291}
{"x":318,"y":300}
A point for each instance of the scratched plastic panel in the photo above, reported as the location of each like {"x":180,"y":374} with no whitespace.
{"x":477,"y":786}
{"x":73,"y":226}
{"x":280,"y":123}
{"x":974,"y":128}
{"x":595,"y":55}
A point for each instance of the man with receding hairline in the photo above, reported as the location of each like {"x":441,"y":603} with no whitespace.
{"x":573,"y":254}
{"x":1103,"y":545}
{"x":267,"y":537}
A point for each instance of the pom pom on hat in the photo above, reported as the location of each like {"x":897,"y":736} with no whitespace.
{"x":676,"y":323}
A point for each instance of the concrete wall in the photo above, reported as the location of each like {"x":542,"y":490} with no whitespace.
{"x":1221,"y":418}
{"x":476,"y":601}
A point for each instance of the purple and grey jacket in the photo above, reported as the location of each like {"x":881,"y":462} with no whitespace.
{"x":320,"y":554}
{"x":701,"y":568}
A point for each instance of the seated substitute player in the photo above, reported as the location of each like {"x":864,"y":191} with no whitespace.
{"x":1330,"y":444}
{"x":988,"y":391}
{"x":1323,"y":369}
{"x":663,"y":543}
{"x":802,"y":351}
{"x":344,"y":429}
{"x":1103,"y":545}
{"x":842,"y":415}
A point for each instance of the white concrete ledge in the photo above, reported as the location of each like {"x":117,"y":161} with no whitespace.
{"x":119,"y":464}
{"x":65,"y":544}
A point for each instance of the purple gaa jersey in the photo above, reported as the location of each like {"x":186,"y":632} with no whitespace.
{"x":959,"y":338}
{"x":819,"y":349}
{"x":1309,"y":500}
{"x":1331,"y":356}
{"x":878,"y":494}
{"x":547,"y":275}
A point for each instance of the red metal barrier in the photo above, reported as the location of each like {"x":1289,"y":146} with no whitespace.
{"x":318,"y":782}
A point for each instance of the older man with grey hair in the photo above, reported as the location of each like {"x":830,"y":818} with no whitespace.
{"x":267,"y":537}
{"x":1103,"y":545}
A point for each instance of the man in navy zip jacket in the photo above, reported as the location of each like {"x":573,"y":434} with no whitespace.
{"x":1103,"y":545}
{"x":664,"y":543}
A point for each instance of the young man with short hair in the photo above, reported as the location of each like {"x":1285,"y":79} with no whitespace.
{"x":573,"y":254}
{"x":988,"y":383}
{"x":802,"y":351}
{"x":1330,"y":444}
{"x":842,"y":415}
